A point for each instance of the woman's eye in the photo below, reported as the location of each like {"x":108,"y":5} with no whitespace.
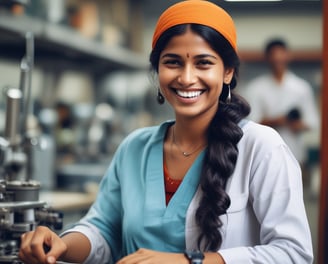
{"x":204,"y":62}
{"x":171,"y":62}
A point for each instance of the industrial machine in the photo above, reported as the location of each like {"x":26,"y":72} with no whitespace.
{"x":20,"y":208}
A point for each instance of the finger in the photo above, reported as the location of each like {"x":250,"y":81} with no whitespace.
{"x":56,"y":248}
{"x":27,"y":258}
{"x":32,"y":245}
{"x":25,"y":249}
{"x":26,"y":237}
{"x":51,"y":260}
{"x":36,"y":244}
{"x":37,"y":249}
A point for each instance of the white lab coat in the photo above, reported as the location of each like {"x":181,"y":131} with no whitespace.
{"x":266,"y":222}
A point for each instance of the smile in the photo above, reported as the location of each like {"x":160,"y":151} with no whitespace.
{"x":188,"y":94}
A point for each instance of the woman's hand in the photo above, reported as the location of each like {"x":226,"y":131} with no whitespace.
{"x":146,"y":256}
{"x":34,"y":245}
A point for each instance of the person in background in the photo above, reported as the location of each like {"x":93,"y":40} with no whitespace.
{"x":282,"y":100}
{"x":208,"y":186}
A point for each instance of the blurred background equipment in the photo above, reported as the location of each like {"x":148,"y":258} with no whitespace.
{"x":20,"y":208}
{"x":91,"y":53}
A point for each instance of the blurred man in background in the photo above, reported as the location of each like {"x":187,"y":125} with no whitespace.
{"x":283,"y":100}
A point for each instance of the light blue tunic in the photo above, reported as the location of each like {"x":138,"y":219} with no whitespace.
{"x":130,"y":210}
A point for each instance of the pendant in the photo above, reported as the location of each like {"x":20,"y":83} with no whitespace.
{"x":186,"y":154}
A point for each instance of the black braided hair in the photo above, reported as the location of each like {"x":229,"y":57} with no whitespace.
{"x":223,"y":135}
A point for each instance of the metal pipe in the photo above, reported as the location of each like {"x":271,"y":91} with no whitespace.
{"x":14,"y":97}
{"x":24,"y":71}
{"x":27,"y":65}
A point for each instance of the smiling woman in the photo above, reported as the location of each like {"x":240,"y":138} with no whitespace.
{"x":204,"y":187}
{"x":192,"y":84}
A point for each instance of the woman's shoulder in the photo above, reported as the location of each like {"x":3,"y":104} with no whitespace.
{"x":262,"y":144}
{"x":259,"y":135}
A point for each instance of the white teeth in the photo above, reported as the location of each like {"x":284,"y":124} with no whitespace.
{"x":190,"y":94}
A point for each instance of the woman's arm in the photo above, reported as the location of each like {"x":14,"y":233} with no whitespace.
{"x":85,"y":241}
{"x":78,"y":248}
{"x":275,"y":197}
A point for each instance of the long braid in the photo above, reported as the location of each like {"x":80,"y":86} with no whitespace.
{"x":219,"y":163}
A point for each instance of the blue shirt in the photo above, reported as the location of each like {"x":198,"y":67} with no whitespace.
{"x":130,"y":210}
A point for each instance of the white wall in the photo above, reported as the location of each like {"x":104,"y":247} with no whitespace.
{"x":301,"y":32}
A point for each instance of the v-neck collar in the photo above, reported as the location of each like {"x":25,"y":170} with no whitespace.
{"x":155,"y":191}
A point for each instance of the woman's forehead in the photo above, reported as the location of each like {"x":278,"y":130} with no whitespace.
{"x":189,"y":44}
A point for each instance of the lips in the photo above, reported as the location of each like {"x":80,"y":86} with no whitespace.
{"x":188,"y":94}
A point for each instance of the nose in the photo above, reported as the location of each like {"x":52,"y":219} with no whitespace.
{"x":187,"y":76}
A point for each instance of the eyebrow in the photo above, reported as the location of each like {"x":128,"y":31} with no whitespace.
{"x":176,"y":56}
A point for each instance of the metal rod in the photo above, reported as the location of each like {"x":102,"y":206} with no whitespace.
{"x":24,"y":70}
{"x":14,"y":97}
{"x":29,"y":60}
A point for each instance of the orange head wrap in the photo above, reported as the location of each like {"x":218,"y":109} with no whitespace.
{"x":197,"y":12}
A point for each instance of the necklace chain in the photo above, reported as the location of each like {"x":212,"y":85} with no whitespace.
{"x":184,"y":153}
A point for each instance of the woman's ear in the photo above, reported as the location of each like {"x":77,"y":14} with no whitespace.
{"x":228,"y":74}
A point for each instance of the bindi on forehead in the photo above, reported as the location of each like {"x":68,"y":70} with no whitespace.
{"x":188,"y":55}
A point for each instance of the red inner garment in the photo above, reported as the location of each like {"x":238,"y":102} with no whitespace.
{"x":171,"y":185}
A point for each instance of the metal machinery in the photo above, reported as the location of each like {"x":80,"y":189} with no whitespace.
{"x":20,"y":208}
